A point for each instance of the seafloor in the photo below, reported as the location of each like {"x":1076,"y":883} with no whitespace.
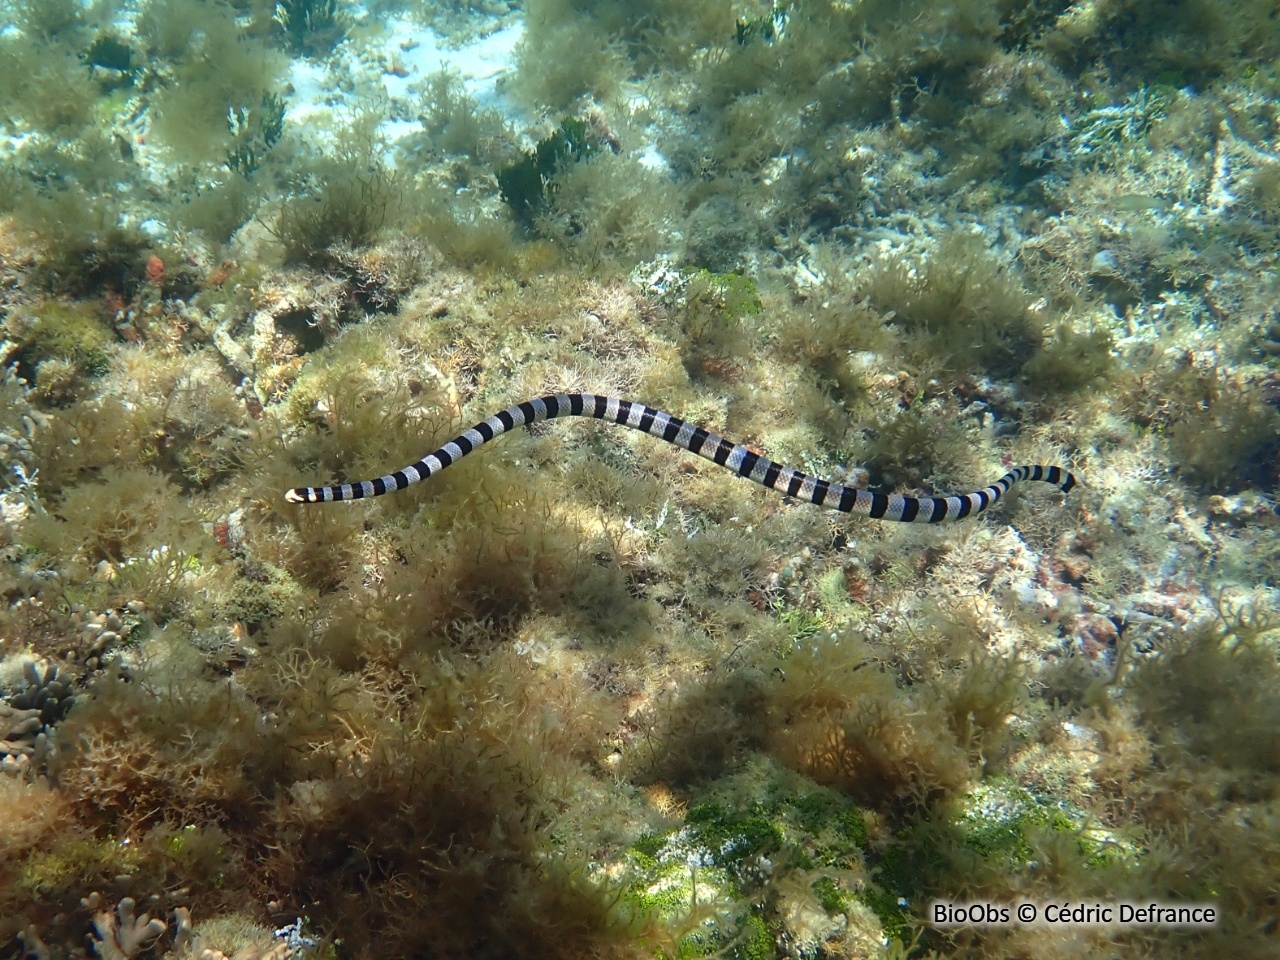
{"x":585,"y":694}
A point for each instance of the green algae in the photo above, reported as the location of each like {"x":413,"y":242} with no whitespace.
{"x":74,"y":332}
{"x":73,"y":863}
{"x":722,"y":853}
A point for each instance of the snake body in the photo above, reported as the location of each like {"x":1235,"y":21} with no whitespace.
{"x":732,"y":456}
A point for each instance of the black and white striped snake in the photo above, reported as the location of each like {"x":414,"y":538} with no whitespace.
{"x":704,"y":443}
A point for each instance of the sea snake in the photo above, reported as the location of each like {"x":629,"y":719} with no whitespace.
{"x":704,"y":443}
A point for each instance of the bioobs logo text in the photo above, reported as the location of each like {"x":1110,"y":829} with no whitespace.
{"x":968,"y":914}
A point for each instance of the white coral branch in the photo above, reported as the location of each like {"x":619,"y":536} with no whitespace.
{"x":123,"y":936}
{"x":18,"y":729}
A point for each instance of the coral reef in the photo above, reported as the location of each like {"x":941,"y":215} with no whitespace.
{"x":21,"y":735}
{"x":588,"y":695}
{"x":121,"y":935}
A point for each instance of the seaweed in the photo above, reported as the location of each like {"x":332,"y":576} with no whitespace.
{"x":345,"y":205}
{"x":765,"y":837}
{"x":1231,"y":440}
{"x":50,"y":19}
{"x":527,"y":185}
{"x":610,"y":209}
{"x":715,"y":312}
{"x":911,"y":444}
{"x":497,"y":696}
{"x":73,"y":334}
{"x":765,"y":28}
{"x":1071,"y":359}
{"x":109,"y":52}
{"x":219,"y":74}
{"x":454,"y":123}
{"x":562,"y":58}
{"x":56,"y":93}
{"x":962,"y":302}
{"x":254,"y":133}
{"x":310,"y":27}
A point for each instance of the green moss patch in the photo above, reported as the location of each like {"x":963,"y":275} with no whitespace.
{"x":795,"y":837}
{"x":73,"y":335}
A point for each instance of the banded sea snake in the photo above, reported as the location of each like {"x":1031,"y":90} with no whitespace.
{"x":704,"y":443}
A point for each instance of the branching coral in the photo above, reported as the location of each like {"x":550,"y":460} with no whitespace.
{"x":46,"y":691}
{"x":18,"y":732}
{"x":26,"y":717}
{"x":121,"y":935}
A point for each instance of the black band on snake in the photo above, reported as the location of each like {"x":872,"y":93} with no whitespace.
{"x":731,"y":456}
